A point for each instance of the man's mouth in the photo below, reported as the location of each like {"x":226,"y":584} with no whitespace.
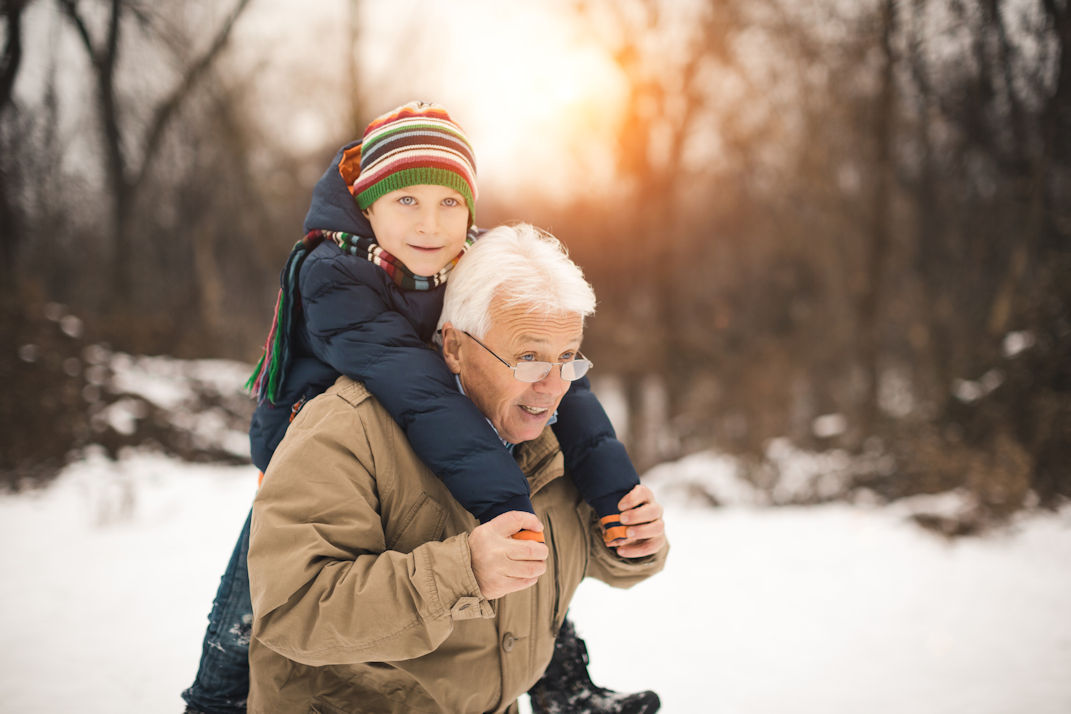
{"x":534,"y":411}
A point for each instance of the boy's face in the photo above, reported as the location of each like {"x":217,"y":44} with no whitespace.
{"x":423,"y":226}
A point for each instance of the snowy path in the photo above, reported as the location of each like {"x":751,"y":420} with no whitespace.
{"x":109,"y":573}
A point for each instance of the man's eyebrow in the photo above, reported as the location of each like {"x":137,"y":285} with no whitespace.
{"x":542,"y":340}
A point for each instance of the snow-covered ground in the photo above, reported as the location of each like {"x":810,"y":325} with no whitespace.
{"x":108,"y":575}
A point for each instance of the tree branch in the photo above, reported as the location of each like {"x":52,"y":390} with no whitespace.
{"x":112,"y":43}
{"x":12,"y":57}
{"x":71,"y":9}
{"x":104,"y":62}
{"x":167,"y":109}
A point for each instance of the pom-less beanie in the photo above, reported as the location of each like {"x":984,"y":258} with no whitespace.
{"x":417,"y":143}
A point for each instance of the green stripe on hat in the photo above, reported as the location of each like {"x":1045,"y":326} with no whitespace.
{"x":429,"y":175}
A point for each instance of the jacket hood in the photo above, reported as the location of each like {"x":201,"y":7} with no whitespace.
{"x":332,"y":207}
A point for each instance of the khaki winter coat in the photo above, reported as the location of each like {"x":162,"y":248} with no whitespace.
{"x":363,"y":590}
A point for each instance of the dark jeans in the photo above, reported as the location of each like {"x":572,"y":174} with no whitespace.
{"x":222,"y":682}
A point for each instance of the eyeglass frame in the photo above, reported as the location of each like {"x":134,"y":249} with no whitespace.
{"x":550,"y":365}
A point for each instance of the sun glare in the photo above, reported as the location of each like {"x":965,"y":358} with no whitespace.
{"x":557,"y":108}
{"x":539,"y":100}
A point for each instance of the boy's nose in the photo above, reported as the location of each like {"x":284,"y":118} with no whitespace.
{"x":429,"y":220}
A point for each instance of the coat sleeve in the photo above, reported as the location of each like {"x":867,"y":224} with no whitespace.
{"x":595,"y":459}
{"x":352,"y":328}
{"x":325,"y":588}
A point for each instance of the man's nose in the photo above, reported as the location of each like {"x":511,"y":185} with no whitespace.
{"x":553,"y":382}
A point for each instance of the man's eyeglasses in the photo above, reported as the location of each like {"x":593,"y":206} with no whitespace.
{"x":535,"y":371}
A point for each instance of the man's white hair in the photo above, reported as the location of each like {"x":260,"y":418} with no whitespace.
{"x":519,"y":265}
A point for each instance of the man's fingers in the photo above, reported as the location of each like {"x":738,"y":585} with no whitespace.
{"x":646,"y":513}
{"x":640,"y":494}
{"x":643,"y":509}
{"x":642,"y":515}
{"x":649,"y":529}
{"x":527,"y":551}
{"x":646,"y":539}
{"x":521,"y":583}
{"x":525,"y":569}
{"x":513,"y":521}
{"x":501,"y":563}
{"x":640,"y":549}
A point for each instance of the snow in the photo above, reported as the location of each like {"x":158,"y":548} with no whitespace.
{"x":110,"y":573}
{"x":842,"y":609}
{"x":967,"y":390}
{"x":165,"y":381}
{"x":1016,"y":342}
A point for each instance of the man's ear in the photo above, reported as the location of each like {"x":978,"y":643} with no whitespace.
{"x":452,"y":347}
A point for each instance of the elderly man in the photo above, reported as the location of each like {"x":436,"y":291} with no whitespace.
{"x":373,"y":589}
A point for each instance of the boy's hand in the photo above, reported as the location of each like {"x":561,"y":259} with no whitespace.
{"x":642,"y":515}
{"x":501,"y":563}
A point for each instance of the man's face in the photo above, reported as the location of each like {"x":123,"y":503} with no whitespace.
{"x":518,"y":410}
{"x":423,"y":226}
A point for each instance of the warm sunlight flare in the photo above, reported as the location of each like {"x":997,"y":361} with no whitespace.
{"x":539,"y":98}
{"x":563,"y":106}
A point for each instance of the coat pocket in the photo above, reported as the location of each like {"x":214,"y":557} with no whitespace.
{"x":422,"y":522}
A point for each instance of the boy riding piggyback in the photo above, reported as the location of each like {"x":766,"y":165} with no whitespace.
{"x":360,"y":296}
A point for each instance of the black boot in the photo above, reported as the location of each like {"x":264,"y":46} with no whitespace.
{"x":566,"y":687}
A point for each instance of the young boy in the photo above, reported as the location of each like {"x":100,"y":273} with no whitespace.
{"x":360,"y":296}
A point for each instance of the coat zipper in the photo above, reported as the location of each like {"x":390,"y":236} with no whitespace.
{"x":555,"y":625}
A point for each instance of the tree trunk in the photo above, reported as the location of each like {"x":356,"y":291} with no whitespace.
{"x":209,"y":280}
{"x":869,"y":322}
{"x":123,"y":182}
{"x":10,"y":220}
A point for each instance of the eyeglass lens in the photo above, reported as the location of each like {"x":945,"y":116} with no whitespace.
{"x":535,"y":371}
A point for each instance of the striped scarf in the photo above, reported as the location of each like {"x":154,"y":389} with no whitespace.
{"x":268,"y":376}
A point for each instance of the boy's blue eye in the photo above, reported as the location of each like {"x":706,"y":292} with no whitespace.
{"x":407,"y":200}
{"x":451,"y":202}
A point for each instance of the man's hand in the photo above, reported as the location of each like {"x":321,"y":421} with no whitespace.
{"x":642,"y":514}
{"x":502,"y":564}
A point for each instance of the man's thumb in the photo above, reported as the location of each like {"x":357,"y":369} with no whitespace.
{"x":511,"y":522}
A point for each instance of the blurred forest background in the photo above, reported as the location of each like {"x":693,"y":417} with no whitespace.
{"x":844,"y":223}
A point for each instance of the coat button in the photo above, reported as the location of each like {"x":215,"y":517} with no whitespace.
{"x":508,"y":640}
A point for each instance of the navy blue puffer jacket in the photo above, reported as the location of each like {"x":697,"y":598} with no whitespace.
{"x":355,"y":321}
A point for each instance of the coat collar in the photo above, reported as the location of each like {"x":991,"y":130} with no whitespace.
{"x":541,"y":458}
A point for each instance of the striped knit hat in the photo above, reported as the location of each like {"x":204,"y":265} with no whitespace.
{"x":417,"y":143}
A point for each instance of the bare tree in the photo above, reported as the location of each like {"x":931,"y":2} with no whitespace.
{"x":666,"y":97}
{"x":12,"y":54}
{"x":9,"y":69}
{"x":869,"y":327}
{"x":895,"y":206}
{"x":125,"y":173}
